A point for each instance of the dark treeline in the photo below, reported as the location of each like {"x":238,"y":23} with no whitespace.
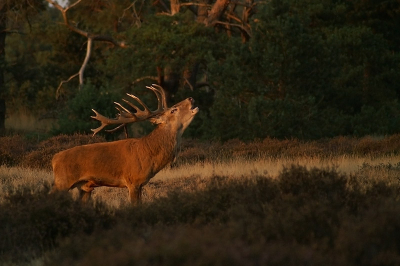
{"x":302,"y":69}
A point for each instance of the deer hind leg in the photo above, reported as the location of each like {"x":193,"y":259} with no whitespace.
{"x":85,"y":190}
{"x":85,"y":196}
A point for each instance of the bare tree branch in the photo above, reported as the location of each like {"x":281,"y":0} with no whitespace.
{"x":232,"y":16}
{"x":188,"y":83}
{"x":65,"y":17}
{"x":62,"y":82}
{"x":241,"y":27}
{"x":88,"y":53}
{"x":202,"y":84}
{"x":216,"y":12}
{"x":163,"y":5}
{"x":9,"y":31}
{"x":136,"y":16}
{"x":90,"y":36}
{"x":194,"y":4}
{"x":144,"y":78}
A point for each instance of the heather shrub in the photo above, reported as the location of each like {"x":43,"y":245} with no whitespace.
{"x":32,"y":223}
{"x":313,"y":185}
{"x":12,"y":149}
{"x":183,"y":245}
{"x":254,"y":221}
{"x":302,"y":217}
{"x":373,"y":237}
{"x":45,"y":150}
{"x":17,"y":150}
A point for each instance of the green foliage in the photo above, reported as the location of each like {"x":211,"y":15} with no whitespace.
{"x":280,"y":118}
{"x":76,"y":115}
{"x":305,"y":75}
{"x":386,"y":120}
{"x":174,"y":43}
{"x":310,"y":69}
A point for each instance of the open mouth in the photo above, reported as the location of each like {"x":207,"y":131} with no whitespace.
{"x":193,"y":108}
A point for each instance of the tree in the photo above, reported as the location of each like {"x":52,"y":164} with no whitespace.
{"x":229,"y":16}
{"x":3,"y":27}
{"x":301,"y":69}
{"x":222,"y":14}
{"x":12,"y":12}
{"x":91,"y":37}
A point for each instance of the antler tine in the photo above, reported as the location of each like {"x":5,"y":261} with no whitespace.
{"x":102,"y":119}
{"x":121,"y":120}
{"x":125,"y":116}
{"x":139,"y":101}
{"x":115,"y":129}
{"x":161,"y":97}
{"x":118,"y":106}
{"x":144,"y":113}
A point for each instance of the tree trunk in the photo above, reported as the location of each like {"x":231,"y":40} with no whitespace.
{"x":169,"y":81}
{"x":175,"y":6}
{"x":190,"y":75}
{"x":202,"y":11}
{"x":3,"y":27}
{"x":216,"y":12}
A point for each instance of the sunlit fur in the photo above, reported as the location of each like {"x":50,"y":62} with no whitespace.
{"x":127,"y":163}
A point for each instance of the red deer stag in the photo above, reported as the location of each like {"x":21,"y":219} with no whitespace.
{"x":130,"y":162}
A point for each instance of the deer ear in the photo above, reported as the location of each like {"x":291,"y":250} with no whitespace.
{"x":158,"y":119}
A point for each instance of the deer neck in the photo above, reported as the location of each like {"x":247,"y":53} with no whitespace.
{"x":163,"y":144}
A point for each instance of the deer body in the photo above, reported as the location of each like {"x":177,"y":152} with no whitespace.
{"x":127,"y":163}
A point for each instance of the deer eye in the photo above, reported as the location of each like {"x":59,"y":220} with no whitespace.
{"x":173,"y":110}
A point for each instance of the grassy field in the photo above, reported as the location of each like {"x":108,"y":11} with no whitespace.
{"x":269,"y":202}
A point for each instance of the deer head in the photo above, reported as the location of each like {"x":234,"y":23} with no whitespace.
{"x":180,"y":115}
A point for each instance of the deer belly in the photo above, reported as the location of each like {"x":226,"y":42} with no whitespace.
{"x":105,"y":182}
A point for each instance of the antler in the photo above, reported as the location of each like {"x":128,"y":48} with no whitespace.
{"x":125,"y":116}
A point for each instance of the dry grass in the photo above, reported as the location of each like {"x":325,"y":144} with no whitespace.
{"x":272,"y":166}
{"x":193,"y":176}
{"x":200,"y":161}
{"x":14,"y":178}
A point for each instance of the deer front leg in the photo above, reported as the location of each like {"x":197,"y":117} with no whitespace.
{"x":135,"y":194}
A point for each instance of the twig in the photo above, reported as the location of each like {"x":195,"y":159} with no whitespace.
{"x":241,"y":27}
{"x":143,"y":78}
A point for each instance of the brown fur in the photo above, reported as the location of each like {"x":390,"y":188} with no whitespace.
{"x":127,"y":163}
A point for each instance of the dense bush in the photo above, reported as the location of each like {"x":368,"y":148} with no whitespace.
{"x":304,"y":217}
{"x":75,"y":118}
{"x":12,"y":149}
{"x":34,"y":222}
{"x":18,"y":151}
{"x":44,"y":151}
